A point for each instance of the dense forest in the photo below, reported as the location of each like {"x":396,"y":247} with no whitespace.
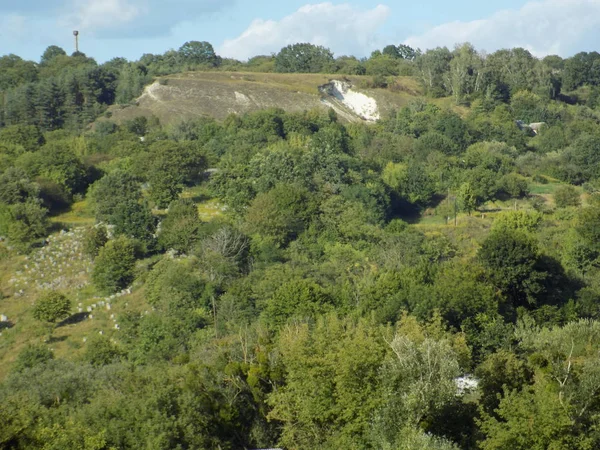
{"x":430,"y":281}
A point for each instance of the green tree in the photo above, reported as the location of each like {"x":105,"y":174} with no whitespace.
{"x":588,"y":226}
{"x":301,"y":298}
{"x":417,"y":378}
{"x":180,"y":229}
{"x":24,"y":223}
{"x":511,"y":259}
{"x":94,"y":239}
{"x":433,"y":65}
{"x":280,"y":214}
{"x":16,"y":187}
{"x":303,"y":58}
{"x":466,"y":198}
{"x":100,"y":351}
{"x":195,"y":52}
{"x":114,"y":265}
{"x":112,"y":190}
{"x":331,"y":377}
{"x":50,"y":53}
{"x":50,"y":308}
{"x":134,"y":219}
{"x":566,"y":195}
{"x":171,"y":166}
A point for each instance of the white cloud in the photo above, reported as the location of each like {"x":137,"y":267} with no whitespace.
{"x":135,"y":18}
{"x":99,"y":14}
{"x":343,"y":28}
{"x":543,"y":27}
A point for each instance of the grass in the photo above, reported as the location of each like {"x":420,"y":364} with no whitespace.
{"x":218,"y":94}
{"x":209,"y":208}
{"x":79,"y":214}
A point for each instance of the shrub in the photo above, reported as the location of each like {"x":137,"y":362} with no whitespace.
{"x":566,"y":196}
{"x":33,"y":355}
{"x":114,"y":265}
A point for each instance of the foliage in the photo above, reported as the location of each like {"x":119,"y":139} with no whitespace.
{"x":303,"y":58}
{"x":305,"y":291}
{"x":31,"y":356}
{"x":113,"y":267}
{"x":51,"y":307}
{"x":511,"y":259}
{"x":180,"y":230}
{"x":95,"y":238}
{"x":566,"y":196}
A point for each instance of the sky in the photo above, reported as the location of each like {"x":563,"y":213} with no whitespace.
{"x":241,"y":29}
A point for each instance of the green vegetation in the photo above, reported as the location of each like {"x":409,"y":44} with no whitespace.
{"x":284,"y":277}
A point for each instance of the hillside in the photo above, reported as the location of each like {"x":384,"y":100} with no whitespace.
{"x":218,"y":94}
{"x":293,"y":278}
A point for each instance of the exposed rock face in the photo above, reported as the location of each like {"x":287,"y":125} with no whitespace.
{"x":363,"y":106}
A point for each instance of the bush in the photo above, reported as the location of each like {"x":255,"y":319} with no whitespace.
{"x":94,"y":239}
{"x":33,"y":355}
{"x":114,"y":265}
{"x":51,"y":307}
{"x":514,"y":185}
{"x":566,"y":196}
{"x":100,"y":351}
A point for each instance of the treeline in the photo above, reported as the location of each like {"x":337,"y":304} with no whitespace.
{"x":64,"y":91}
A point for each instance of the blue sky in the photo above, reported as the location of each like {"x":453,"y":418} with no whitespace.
{"x":240,"y":28}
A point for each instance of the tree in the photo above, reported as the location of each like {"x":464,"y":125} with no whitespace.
{"x":112,"y":190}
{"x":51,"y":307}
{"x":303,"y":58}
{"x":466,"y":198}
{"x":410,"y":181}
{"x":94,"y":239}
{"x":511,"y":258}
{"x":280,"y":214}
{"x":50,"y":53}
{"x":566,"y":195}
{"x":464,"y":72}
{"x":392,"y":51}
{"x":588,"y":227}
{"x":114,"y":265}
{"x":432,"y":66}
{"x":134,"y":219}
{"x":100,"y":351}
{"x":417,"y":377}
{"x":16,"y":187}
{"x":180,"y":229}
{"x":24,"y":223}
{"x":171,"y":166}
{"x":331,"y":377}
{"x":300,"y":298}
{"x":195,"y":52}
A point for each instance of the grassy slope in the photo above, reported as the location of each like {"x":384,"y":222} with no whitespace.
{"x":218,"y":94}
{"x":71,"y":273}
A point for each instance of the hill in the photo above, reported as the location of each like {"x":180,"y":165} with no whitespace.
{"x":218,"y":94}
